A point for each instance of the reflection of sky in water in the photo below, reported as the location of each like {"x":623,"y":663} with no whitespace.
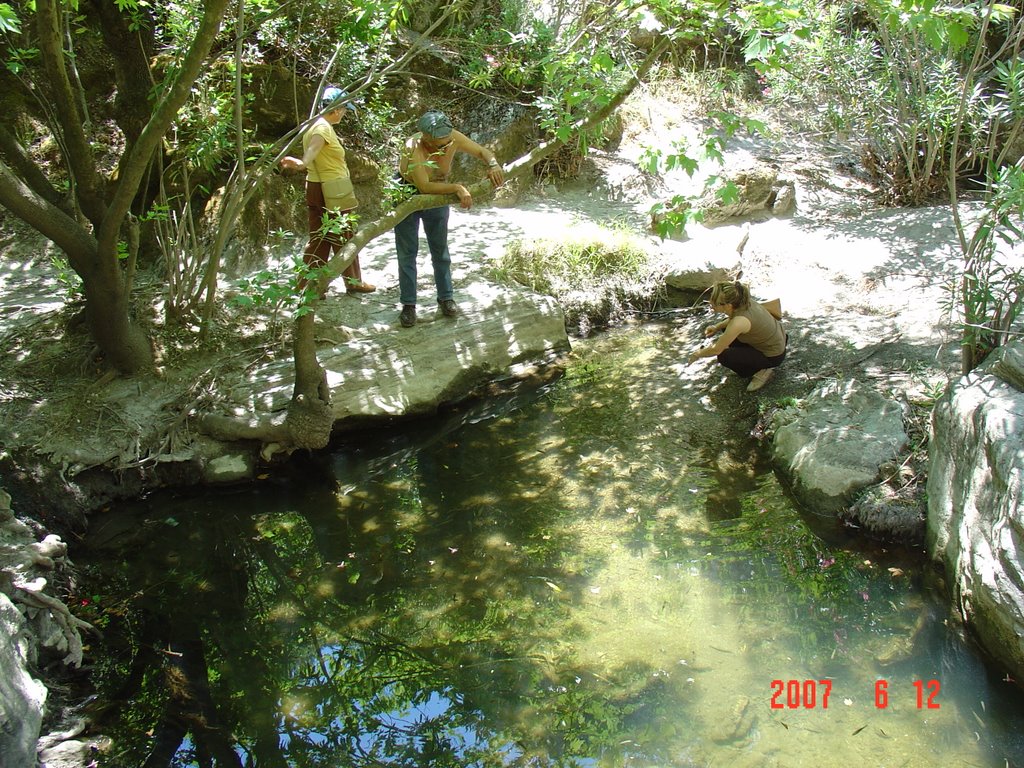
{"x":604,"y":573}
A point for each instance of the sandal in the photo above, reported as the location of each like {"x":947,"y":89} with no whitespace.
{"x":760,"y":378}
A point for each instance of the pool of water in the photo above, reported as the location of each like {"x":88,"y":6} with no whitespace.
{"x":602,"y":572}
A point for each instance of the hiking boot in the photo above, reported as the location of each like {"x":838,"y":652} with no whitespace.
{"x":449,"y":308}
{"x":760,"y":378}
{"x":408,"y":316}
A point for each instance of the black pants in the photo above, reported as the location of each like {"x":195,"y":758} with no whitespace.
{"x":746,"y":361}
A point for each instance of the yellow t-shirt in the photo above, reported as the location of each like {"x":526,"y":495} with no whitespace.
{"x":329,"y":162}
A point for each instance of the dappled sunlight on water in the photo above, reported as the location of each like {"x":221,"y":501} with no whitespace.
{"x":601,"y":573}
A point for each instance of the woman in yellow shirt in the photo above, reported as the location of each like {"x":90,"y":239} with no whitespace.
{"x":329,"y":192}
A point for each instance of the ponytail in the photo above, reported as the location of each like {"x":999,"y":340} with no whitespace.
{"x":742,"y":295}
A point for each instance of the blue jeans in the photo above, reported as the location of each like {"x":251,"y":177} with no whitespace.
{"x":407,"y":243}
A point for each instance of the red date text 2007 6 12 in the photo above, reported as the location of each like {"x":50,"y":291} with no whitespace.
{"x":814,"y":694}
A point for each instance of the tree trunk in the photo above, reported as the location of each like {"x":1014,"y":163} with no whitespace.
{"x":310,"y":418}
{"x":94,"y":255}
{"x":125,"y":346}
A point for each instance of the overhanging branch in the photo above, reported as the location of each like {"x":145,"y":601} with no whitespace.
{"x":71,"y":123}
{"x":46,"y":218}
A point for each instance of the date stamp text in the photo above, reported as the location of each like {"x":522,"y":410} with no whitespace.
{"x":815,"y":694}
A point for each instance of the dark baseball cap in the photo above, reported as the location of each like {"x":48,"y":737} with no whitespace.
{"x":434,"y":124}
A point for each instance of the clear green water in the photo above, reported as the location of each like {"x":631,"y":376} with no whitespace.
{"x":604,"y":572}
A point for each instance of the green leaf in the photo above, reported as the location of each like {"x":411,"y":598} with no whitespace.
{"x":729,"y":193}
{"x":934,"y":31}
{"x":757,"y":48}
{"x":958,"y":36}
{"x":756,"y":126}
{"x":650,"y":160}
{"x":9,"y":21}
{"x":688,"y":164}
{"x":1001,"y":12}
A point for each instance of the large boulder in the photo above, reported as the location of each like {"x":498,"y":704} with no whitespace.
{"x":21,"y":696}
{"x":755,"y":193}
{"x":36,"y":628}
{"x":759,"y":191}
{"x":694,"y":265}
{"x":832,"y":446}
{"x":976,"y":500}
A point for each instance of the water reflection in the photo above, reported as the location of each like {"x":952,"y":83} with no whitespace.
{"x":601,"y":573}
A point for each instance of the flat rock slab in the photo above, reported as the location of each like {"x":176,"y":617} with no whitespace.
{"x":833,"y":444}
{"x":378,"y":369}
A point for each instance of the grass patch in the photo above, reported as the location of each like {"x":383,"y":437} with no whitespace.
{"x":597,"y":274}
{"x":583,"y":256}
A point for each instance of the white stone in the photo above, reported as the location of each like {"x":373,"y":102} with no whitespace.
{"x":21,"y":697}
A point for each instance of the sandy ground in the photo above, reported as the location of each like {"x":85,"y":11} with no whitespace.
{"x":864,"y":288}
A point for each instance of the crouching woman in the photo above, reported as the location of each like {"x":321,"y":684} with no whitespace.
{"x":752,"y":341}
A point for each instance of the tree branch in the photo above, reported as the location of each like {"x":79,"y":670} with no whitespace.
{"x":27,"y":169}
{"x":70,"y":121}
{"x":45,"y":218}
{"x":136,"y":159}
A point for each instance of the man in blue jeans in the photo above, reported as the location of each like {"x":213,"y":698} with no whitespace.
{"x":426,"y":162}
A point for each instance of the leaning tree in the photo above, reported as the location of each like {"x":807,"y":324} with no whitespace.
{"x":95,"y":222}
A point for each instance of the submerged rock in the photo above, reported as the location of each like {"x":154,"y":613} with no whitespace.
{"x":894,"y":514}
{"x":736,"y":725}
{"x":832,"y":446}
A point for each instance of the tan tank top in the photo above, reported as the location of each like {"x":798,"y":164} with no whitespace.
{"x":766,"y":334}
